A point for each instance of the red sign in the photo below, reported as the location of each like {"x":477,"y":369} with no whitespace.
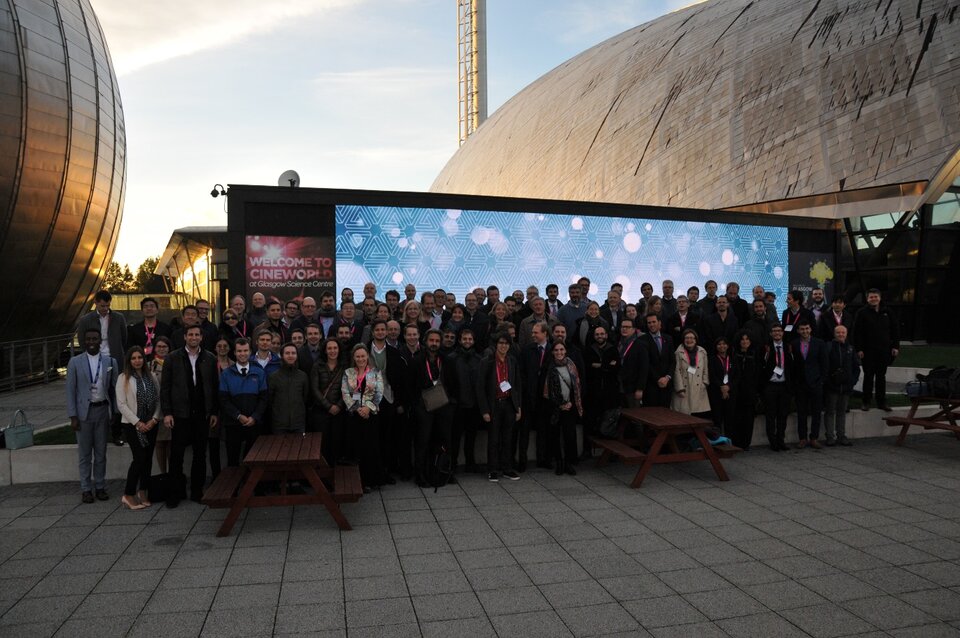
{"x":290,"y":267}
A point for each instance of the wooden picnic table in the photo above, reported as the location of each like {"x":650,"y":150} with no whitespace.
{"x":663,"y":425}
{"x":946,"y":418}
{"x":283,"y":457}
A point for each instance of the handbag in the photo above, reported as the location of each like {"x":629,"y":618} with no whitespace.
{"x":435,"y":398}
{"x":17,"y":435}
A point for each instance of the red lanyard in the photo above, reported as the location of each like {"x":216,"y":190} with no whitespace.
{"x":795,"y":317}
{"x":725,"y":361}
{"x":429,"y":372}
{"x":626,"y":352}
{"x":361,"y":377}
{"x":502,"y":372}
{"x":149,"y":333}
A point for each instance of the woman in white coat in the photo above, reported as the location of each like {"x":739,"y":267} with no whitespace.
{"x":691,"y":377}
{"x":138,"y":399}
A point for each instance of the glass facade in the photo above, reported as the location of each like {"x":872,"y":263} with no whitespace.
{"x":914,"y":259}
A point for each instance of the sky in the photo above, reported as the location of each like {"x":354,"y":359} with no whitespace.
{"x":349,"y":93}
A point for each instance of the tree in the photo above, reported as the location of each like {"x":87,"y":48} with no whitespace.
{"x":118,"y":278}
{"x":147,"y":282}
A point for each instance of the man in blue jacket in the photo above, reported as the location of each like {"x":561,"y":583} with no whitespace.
{"x":243,"y":400}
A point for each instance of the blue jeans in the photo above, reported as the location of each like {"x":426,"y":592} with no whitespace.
{"x":92,"y":440}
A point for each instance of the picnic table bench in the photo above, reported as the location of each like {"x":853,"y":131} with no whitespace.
{"x":946,"y":418}
{"x":284,"y":457}
{"x":663,"y":426}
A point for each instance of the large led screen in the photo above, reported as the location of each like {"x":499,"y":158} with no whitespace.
{"x":458,"y":250}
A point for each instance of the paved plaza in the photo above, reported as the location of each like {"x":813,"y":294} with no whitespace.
{"x":856,"y":541}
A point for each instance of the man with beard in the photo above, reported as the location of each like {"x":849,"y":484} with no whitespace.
{"x":432,"y":428}
{"x":759,"y":294}
{"x":493,"y":298}
{"x":816,"y":304}
{"x":573,"y":310}
{"x":327,"y":314}
{"x":553,"y":304}
{"x":274,"y":322}
{"x":720,"y":323}
{"x":708,"y":305}
{"x":660,"y":360}
{"x":559,"y":334}
{"x":392,"y":299}
{"x":759,"y":324}
{"x":738,"y":305}
{"x":466,"y":362}
{"x":601,"y":388}
{"x":634,"y":364}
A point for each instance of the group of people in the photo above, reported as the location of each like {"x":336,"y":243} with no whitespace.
{"x":391,"y":383}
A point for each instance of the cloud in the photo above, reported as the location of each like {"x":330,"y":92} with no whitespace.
{"x":145,"y":33}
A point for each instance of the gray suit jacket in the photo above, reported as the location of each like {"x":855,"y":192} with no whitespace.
{"x":79,"y":380}
{"x":116,"y":331}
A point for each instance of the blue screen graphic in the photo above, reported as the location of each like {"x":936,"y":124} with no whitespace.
{"x":459,"y":250}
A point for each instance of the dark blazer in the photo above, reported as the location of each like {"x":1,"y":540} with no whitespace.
{"x":487,"y":384}
{"x":533,"y":370}
{"x":659,"y":363}
{"x":176,"y":379}
{"x":673,"y":328}
{"x":843,"y":367}
{"x":828,"y":322}
{"x":634,"y":367}
{"x":715,"y":327}
{"x":601,"y":380}
{"x":769,"y":362}
{"x":116,"y":331}
{"x":305,"y":360}
{"x":790,"y":319}
{"x":875,"y":333}
{"x":740,"y":309}
{"x":396,"y":375}
{"x":812,"y":371}
{"x":607,"y":315}
{"x":479,"y":323}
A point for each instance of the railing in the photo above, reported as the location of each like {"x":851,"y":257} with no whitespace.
{"x":31,"y":361}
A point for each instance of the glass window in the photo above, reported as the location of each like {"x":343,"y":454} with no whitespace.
{"x":946,"y":211}
{"x":938,"y":246}
{"x":882,"y":221}
{"x":899,"y":248}
{"x":931,"y":285}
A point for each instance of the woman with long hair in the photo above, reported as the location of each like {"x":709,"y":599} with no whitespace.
{"x":456,"y":321}
{"x":325,"y":379}
{"x":223,"y":350}
{"x":690,"y":376}
{"x":362,"y":389}
{"x":161,"y":348}
{"x":747,"y":374}
{"x":234,"y":326}
{"x":411,"y":315}
{"x":720,"y":389}
{"x":138,"y":400}
{"x":563,"y":391}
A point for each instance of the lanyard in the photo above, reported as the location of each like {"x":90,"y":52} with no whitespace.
{"x":795,"y":317}
{"x":725,"y":362}
{"x":502,"y":366}
{"x":691,"y":361}
{"x":361,"y":377}
{"x":626,"y":351}
{"x":149,"y":333}
{"x":429,"y":372}
{"x":95,"y":377}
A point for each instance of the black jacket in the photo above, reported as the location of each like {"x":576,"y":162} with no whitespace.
{"x":288,"y":390}
{"x":715,"y":327}
{"x":601,"y":383}
{"x":137,"y":335}
{"x":177,"y":386}
{"x":876,"y":331}
{"x":790,"y":320}
{"x":325,"y":385}
{"x":487,"y":384}
{"x":467,"y":364}
{"x":533,"y":369}
{"x":634,"y":366}
{"x":673,"y":327}
{"x":659,"y":362}
{"x":843,"y":367}
{"x":828,"y":322}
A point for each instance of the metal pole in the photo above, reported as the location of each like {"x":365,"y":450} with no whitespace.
{"x":46,"y":368}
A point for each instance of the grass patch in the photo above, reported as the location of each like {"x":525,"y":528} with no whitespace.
{"x":63,"y":435}
{"x":928,"y":356}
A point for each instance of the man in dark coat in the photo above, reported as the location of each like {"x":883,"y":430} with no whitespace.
{"x":660,"y":359}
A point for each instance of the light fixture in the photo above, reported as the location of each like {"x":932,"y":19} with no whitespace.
{"x":215,"y":192}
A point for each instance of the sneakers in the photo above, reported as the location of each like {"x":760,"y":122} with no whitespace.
{"x":492,"y":477}
{"x":510,"y":474}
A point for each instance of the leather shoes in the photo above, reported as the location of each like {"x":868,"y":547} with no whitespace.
{"x":774,"y":447}
{"x":783,"y":447}
{"x":102,"y":495}
{"x":802,"y":444}
{"x":569,"y":469}
{"x":886,"y":408}
{"x":831,"y":442}
{"x":87,"y":497}
{"x":845,"y":442}
{"x":815,"y":444}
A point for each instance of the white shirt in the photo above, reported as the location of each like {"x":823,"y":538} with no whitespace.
{"x":783,"y":362}
{"x":193,"y":356}
{"x":105,"y":334}
{"x":98,"y":390}
{"x":243,"y":369}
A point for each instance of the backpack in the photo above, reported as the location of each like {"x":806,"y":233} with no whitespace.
{"x":943,"y":382}
{"x":441,"y":470}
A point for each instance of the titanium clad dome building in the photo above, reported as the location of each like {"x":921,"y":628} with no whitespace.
{"x":62,"y":163}
{"x":840,"y":109}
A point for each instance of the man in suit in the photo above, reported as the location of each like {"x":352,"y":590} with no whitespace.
{"x":759,"y":324}
{"x":312,"y":349}
{"x":477,"y":321}
{"x":682,"y":319}
{"x":660,"y":359}
{"x":188,"y":400}
{"x":112,"y":327}
{"x":634,"y":364}
{"x":538,"y":315}
{"x":613,"y":313}
{"x":738,"y":305}
{"x":837,"y":315}
{"x":534,"y":361}
{"x":809,"y":356}
{"x":776,"y":387}
{"x":91,"y":402}
{"x":434,"y":313}
{"x":553,"y":303}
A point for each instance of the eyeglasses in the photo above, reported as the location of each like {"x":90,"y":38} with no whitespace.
{"x":229,"y":318}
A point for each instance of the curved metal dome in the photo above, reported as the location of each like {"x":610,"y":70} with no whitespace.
{"x":734,"y":102}
{"x":62,"y":163}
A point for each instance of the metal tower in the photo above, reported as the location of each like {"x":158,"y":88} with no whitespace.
{"x":472,"y":64}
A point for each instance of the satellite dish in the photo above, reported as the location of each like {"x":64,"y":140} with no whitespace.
{"x":289,"y":178}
